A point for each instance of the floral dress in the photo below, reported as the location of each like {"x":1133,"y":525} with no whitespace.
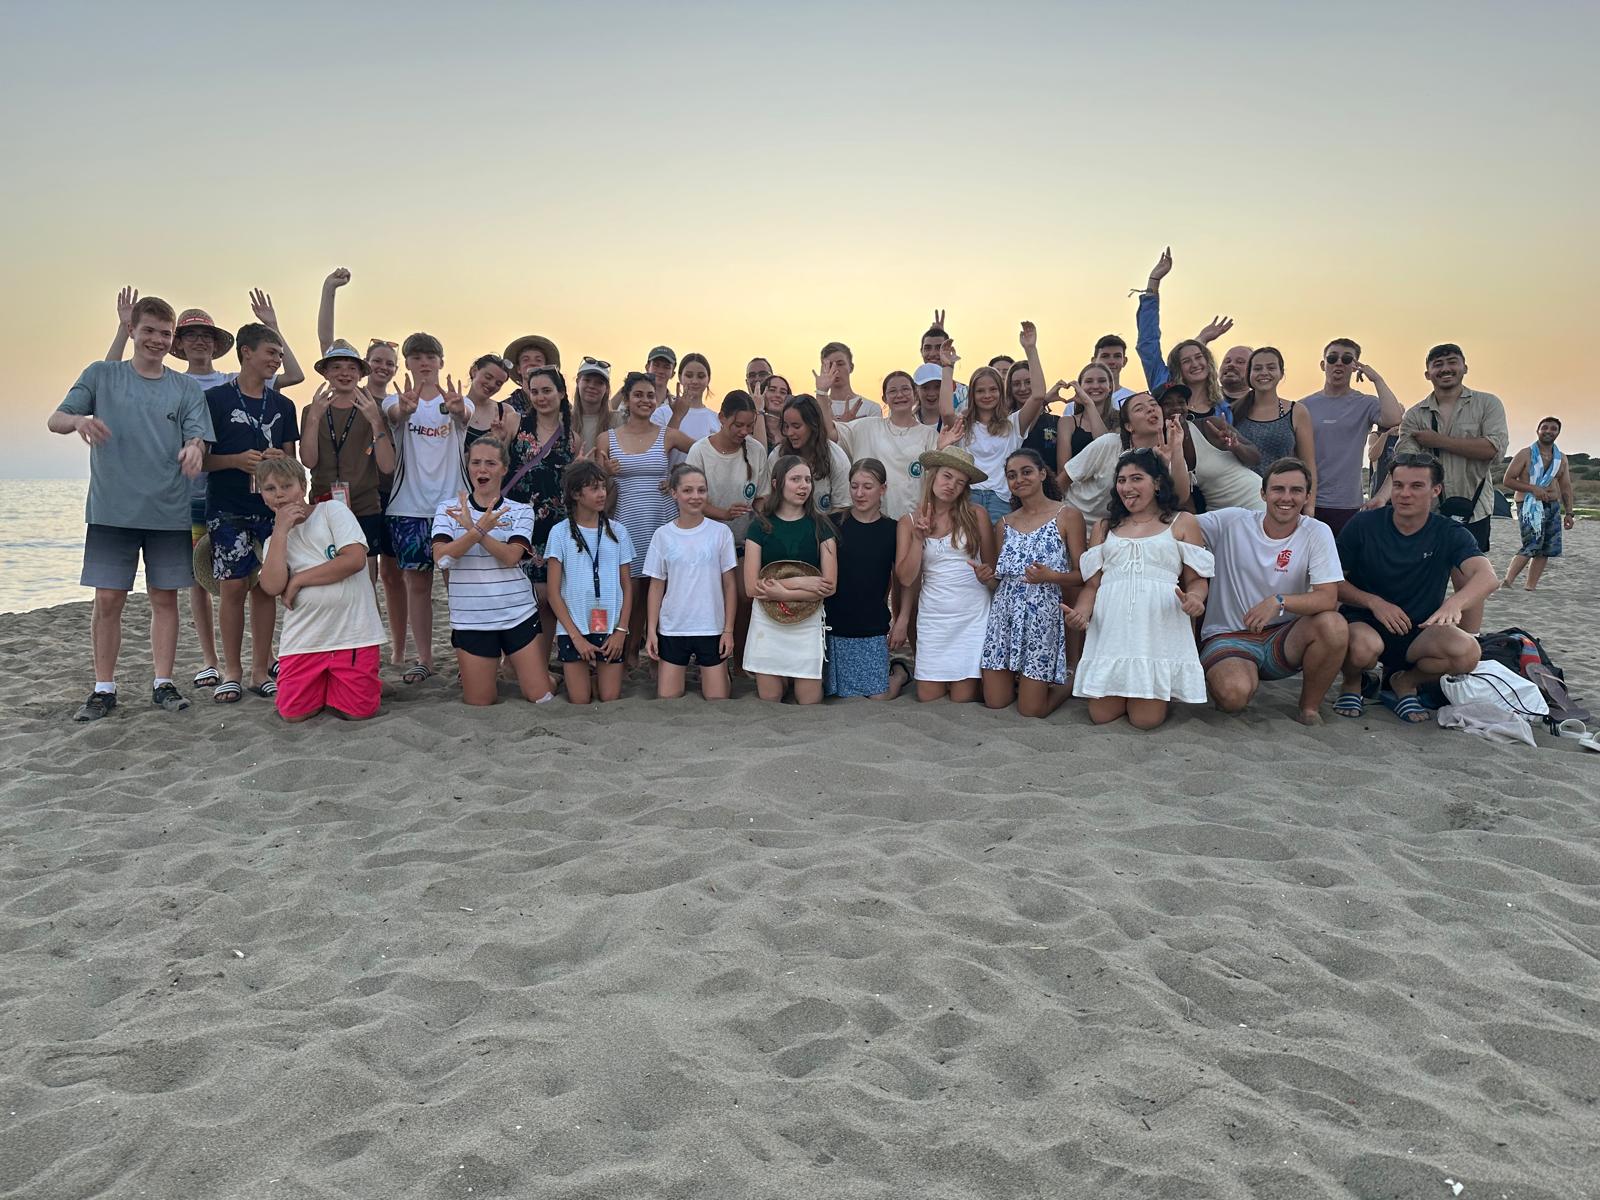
{"x":539,"y":486}
{"x":1026,"y":633}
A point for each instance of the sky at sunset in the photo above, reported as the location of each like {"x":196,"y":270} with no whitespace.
{"x":746,"y":179}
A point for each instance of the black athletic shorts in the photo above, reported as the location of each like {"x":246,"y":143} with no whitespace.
{"x":492,"y":643}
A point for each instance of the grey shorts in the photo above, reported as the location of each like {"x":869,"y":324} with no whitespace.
{"x":111,"y":558}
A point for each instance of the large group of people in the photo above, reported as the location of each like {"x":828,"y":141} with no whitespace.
{"x":996,"y":537}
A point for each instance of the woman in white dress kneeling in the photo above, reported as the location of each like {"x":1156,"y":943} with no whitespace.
{"x":791,"y":565}
{"x":1146,"y":573}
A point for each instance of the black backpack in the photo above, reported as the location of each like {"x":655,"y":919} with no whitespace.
{"x":1517,"y":650}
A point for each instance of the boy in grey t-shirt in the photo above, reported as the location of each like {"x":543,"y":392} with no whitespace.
{"x":146,"y":427}
{"x":1341,"y":419}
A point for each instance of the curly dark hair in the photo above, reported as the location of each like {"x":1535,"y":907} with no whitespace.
{"x":1153,"y":465}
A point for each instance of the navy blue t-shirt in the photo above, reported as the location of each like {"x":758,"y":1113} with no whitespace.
{"x":243,"y":423}
{"x":1409,"y":571}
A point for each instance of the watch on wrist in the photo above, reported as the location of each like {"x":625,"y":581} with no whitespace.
{"x":1279,"y":599}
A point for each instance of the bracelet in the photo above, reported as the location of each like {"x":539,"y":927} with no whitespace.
{"x":620,"y":629}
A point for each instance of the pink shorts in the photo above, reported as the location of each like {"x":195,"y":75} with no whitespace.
{"x":346,"y":680}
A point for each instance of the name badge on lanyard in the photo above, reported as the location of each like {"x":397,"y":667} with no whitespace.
{"x":340,"y":491}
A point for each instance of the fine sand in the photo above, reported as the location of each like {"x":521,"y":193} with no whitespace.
{"x":745,"y":951}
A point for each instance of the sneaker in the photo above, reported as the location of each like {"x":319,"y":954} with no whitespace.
{"x":168,"y":697}
{"x":99,"y":704}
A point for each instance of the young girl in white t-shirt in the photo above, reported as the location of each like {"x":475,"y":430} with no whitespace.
{"x":482,"y":539}
{"x":587,"y":558}
{"x":692,"y":597}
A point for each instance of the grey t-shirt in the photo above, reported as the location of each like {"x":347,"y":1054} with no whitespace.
{"x":1339,"y":425}
{"x":134,"y":478}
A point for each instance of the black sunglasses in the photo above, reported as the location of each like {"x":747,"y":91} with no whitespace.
{"x":596,"y":362}
{"x":1340,"y":359}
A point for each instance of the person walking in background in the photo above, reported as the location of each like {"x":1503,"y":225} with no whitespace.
{"x":1539,"y":475}
{"x":1342,"y":419}
{"x":146,"y":427}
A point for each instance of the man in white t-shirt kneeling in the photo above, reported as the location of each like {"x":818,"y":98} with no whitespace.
{"x":1273,"y":607}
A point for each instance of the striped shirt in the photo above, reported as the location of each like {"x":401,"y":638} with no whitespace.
{"x":484,"y":593}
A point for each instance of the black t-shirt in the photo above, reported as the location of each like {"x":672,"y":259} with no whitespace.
{"x":859,"y":606}
{"x":243,"y":423}
{"x":1042,"y":438}
{"x":1410,"y":571}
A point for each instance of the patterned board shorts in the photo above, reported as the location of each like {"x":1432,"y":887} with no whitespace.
{"x":1268,"y":650}
{"x":412,"y":541}
{"x":234,"y":544}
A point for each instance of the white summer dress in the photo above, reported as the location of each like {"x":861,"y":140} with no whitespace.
{"x":1140,"y":642}
{"x":952,"y":613}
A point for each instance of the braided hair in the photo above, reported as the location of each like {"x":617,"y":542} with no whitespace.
{"x":734,"y":403}
{"x":580,"y":473}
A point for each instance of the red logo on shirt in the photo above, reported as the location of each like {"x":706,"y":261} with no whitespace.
{"x":1283,"y":559}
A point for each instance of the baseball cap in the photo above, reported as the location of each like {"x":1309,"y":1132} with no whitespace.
{"x":927,"y":373}
{"x":662,"y":352}
{"x":594,"y":366}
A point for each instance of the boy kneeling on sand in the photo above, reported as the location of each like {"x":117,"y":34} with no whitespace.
{"x":316,"y":559}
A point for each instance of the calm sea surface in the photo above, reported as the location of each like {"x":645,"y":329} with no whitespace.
{"x":41,"y":543}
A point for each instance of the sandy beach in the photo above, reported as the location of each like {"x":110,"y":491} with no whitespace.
{"x":705,"y":951}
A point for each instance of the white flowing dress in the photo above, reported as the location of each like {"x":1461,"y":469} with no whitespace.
{"x":1140,"y":642}
{"x":952,"y":614}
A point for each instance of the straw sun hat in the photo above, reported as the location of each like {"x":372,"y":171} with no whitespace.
{"x":202,"y":566}
{"x":954,"y":457}
{"x":789,"y":612}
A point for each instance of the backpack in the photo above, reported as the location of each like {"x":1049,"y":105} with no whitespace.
{"x":1517,"y":649}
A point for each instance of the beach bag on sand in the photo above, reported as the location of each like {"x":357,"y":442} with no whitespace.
{"x":1520,"y":651}
{"x":1486,"y":720}
{"x":1492,"y":683}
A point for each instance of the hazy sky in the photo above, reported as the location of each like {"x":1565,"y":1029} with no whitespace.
{"x":748,"y":178}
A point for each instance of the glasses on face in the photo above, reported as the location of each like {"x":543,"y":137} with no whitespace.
{"x":1340,"y":360}
{"x":596,"y":362}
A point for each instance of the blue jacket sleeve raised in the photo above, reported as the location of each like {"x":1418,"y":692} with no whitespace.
{"x":1149,"y":340}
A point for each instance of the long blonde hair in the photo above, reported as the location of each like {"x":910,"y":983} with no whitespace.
{"x":964,"y":513}
{"x":999,"y":420}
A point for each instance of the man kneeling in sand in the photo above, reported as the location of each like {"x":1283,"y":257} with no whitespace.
{"x":1272,"y":610}
{"x":316,"y":559}
{"x":1398,"y":562}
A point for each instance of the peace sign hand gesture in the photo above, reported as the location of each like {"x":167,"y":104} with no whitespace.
{"x":319,"y":403}
{"x":368,"y":408}
{"x":454,"y":404}
{"x":938,"y":318}
{"x":461,"y":514}
{"x":409,"y":396}
{"x":922,"y":520}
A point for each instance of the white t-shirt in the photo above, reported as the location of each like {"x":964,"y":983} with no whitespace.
{"x":869,"y":408}
{"x":697,"y":423}
{"x":737,"y":478}
{"x":692,"y":562}
{"x":484,"y":592}
{"x":1093,"y":472}
{"x":1251,"y":566}
{"x":990,"y":451}
{"x":328,"y":616}
{"x":432,"y":447}
{"x":898,"y":450}
{"x":832,"y":491}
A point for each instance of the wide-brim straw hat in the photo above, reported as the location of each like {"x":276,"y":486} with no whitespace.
{"x":191,"y":319}
{"x":952,"y":456}
{"x":534,"y":341}
{"x":789,"y":612}
{"x":202,"y":566}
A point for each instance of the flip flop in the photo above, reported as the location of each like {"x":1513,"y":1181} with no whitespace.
{"x":1350,"y":704}
{"x":228,"y":692}
{"x":1408,"y":708}
{"x":209,"y":677}
{"x":416,"y":673}
{"x":1570,"y":728}
{"x":1562,"y":705}
{"x":1590,"y":742}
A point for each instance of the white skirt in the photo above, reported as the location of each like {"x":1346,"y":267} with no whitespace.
{"x":790,"y":651}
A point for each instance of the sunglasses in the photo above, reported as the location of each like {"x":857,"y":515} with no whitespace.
{"x":382,"y":342}
{"x":596,"y":362}
{"x":1345,"y":359}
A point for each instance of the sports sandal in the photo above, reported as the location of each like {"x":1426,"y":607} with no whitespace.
{"x":228,"y":692}
{"x":1350,"y":704}
{"x":168,"y":697}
